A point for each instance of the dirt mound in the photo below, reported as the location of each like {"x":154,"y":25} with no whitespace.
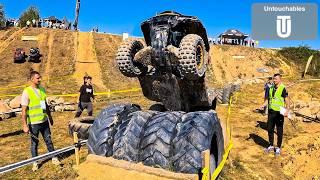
{"x":230,"y":63}
{"x":106,"y":47}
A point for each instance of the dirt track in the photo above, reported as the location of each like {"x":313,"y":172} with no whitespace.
{"x":86,"y":62}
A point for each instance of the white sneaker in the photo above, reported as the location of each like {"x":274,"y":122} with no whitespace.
{"x":35,"y":167}
{"x":56,"y":161}
{"x":269,"y":149}
{"x":278,"y":151}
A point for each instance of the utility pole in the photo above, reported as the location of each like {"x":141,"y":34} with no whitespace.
{"x":75,"y":24}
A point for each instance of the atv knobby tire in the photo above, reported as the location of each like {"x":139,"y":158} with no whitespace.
{"x":129,"y":134}
{"x":101,"y":133}
{"x":197,"y":132}
{"x":125,"y":58}
{"x":81,"y":125}
{"x":193,"y":57}
{"x":157,"y":140}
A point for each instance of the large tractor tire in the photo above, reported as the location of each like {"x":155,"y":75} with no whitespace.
{"x":226,"y":94}
{"x":81,"y":125}
{"x":157,"y":107}
{"x":236,"y":87}
{"x":197,"y":132}
{"x":125,"y":58}
{"x":158,"y":135}
{"x":193,"y":57}
{"x":101,"y":133}
{"x":128,"y":137}
{"x":219,"y":93}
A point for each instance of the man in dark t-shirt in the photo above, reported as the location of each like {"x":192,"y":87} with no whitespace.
{"x":267,"y":87}
{"x":278,"y":104}
{"x":86,"y":97}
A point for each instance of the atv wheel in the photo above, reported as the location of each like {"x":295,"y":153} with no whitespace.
{"x":101,"y":133}
{"x":193,"y":57}
{"x":125,"y":58}
{"x":158,"y":135}
{"x":197,"y":132}
{"x":128,"y":137}
{"x":81,"y":126}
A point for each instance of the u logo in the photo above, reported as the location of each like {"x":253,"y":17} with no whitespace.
{"x":283,"y":26}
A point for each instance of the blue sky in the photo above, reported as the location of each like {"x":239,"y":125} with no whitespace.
{"x":118,"y":16}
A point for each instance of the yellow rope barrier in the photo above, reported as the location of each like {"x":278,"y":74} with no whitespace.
{"x":227,"y":151}
{"x":73,"y":95}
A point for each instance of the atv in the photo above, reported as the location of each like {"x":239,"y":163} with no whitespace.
{"x":19,"y":56}
{"x":34,"y":55}
{"x":170,"y":66}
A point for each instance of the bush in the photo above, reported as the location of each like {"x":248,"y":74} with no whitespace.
{"x":300,"y":55}
{"x":30,"y":14}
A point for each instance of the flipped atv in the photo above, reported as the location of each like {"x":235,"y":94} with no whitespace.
{"x":34,"y":55}
{"x":172,"y":65}
{"x":171,"y":70}
{"x":19,"y":56}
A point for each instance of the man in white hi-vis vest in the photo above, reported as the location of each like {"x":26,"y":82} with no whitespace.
{"x":278,"y":105}
{"x":36,"y":116}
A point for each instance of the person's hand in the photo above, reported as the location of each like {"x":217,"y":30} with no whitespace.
{"x":25,"y":129}
{"x":286,"y":113}
{"x":262,"y":107}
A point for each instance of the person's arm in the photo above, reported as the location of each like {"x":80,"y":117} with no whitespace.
{"x":92,"y":95}
{"x":264,"y":104}
{"x":79,"y":94}
{"x":78,"y":97}
{"x":49,"y":114}
{"x":24,"y":105}
{"x":24,"y":119}
{"x":286,"y":100}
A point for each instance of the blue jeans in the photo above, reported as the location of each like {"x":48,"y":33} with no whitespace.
{"x":44,"y":129}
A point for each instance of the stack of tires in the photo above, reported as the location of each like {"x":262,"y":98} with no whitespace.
{"x":170,"y":140}
{"x":81,"y":125}
{"x":224,"y":94}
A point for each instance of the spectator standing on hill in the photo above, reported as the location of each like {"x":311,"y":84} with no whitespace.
{"x":278,"y":105}
{"x":267,"y":87}
{"x":86,"y":97}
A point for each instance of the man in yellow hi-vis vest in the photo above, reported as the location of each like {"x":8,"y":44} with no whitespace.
{"x":36,"y":116}
{"x":278,"y":105}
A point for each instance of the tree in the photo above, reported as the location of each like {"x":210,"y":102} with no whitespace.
{"x":31,"y":13}
{"x":2,"y":16}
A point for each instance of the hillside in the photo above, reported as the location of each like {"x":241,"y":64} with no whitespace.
{"x":68,"y":56}
{"x":230,"y":63}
